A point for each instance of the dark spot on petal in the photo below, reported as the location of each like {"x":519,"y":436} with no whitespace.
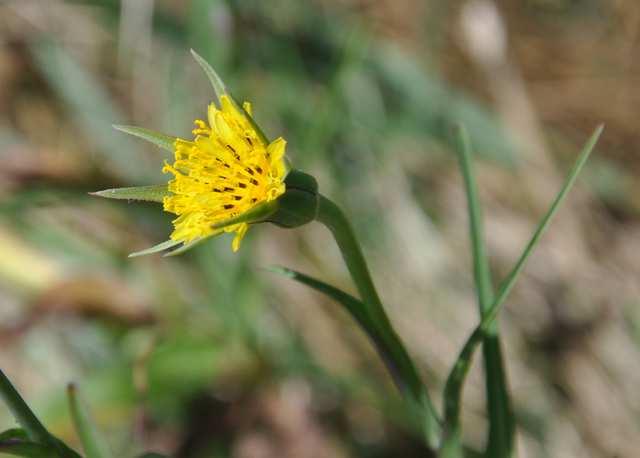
{"x":242,"y":185}
{"x":231,"y":148}
{"x":227,"y":189}
{"x":228,"y":206}
{"x":259,"y":169}
{"x":254,"y":200}
{"x":237,"y":197}
{"x":254,"y":182}
{"x":251,"y":172}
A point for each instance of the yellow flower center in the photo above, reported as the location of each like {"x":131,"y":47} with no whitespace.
{"x":226,"y":170}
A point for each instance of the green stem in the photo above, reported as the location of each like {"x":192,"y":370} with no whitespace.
{"x":393,"y":352}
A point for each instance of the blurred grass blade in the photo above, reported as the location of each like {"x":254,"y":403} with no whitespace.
{"x":92,"y":443}
{"x":160,"y":140}
{"x":156,"y":248}
{"x":501,"y":420}
{"x":455,"y":381}
{"x":216,"y":81}
{"x":152,"y":193}
{"x":92,"y":109}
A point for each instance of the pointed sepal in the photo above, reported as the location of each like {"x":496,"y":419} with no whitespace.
{"x":218,"y":86}
{"x":161,"y":140}
{"x":156,"y":248}
{"x":152,"y":193}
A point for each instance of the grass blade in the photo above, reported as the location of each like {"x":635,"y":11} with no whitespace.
{"x":455,"y":381}
{"x":92,"y":443}
{"x":501,"y":420}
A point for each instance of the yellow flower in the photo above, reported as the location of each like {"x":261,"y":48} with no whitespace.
{"x":225,"y":171}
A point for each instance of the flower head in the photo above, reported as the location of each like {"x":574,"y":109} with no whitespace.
{"x":227,"y":170}
{"x":225,"y":178}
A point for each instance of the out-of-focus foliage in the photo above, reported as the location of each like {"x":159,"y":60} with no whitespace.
{"x":209,"y":354}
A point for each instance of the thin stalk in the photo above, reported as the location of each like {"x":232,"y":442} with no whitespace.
{"x":501,"y":421}
{"x":396,"y":356}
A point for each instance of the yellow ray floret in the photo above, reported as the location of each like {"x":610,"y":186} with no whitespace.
{"x":225,"y":171}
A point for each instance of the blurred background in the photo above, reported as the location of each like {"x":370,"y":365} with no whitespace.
{"x":211,"y":355}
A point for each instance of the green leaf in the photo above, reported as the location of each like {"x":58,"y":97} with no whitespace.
{"x":25,"y":448}
{"x":156,"y":248}
{"x":152,"y":193}
{"x":218,"y":86}
{"x":152,"y":455}
{"x":387,"y":344}
{"x":14,"y":434}
{"x":23,"y":414}
{"x":161,"y":140}
{"x":501,"y":420}
{"x":353,"y":306}
{"x":92,"y":443}
{"x":456,"y":378}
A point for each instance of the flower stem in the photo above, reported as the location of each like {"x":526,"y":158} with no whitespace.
{"x":387,"y":341}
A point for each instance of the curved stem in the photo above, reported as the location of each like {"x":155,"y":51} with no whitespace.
{"x":392,"y":350}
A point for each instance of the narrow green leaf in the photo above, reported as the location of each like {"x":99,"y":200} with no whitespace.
{"x":156,"y":248}
{"x":93,"y":445}
{"x":353,"y":306}
{"x":23,"y":414}
{"x":27,"y":449}
{"x":152,"y":455}
{"x":501,"y":420}
{"x":455,"y":381}
{"x":507,"y":285}
{"x":391,"y":351}
{"x":216,"y":82}
{"x":14,"y":434}
{"x":161,"y":140}
{"x":152,"y":193}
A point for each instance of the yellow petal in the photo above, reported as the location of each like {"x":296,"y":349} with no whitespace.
{"x":276,"y":150}
{"x":211,"y":114}
{"x":247,"y":108}
{"x":242,"y":230}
